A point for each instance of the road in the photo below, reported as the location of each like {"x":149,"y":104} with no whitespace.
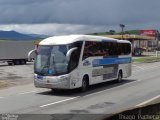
{"x":17,"y":75}
{"x":107,"y":98}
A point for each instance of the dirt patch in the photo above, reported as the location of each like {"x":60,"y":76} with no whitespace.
{"x":3,"y":83}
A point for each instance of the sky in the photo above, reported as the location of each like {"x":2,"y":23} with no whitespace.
{"x":59,"y":17}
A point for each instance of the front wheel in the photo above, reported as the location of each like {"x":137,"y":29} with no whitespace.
{"x":119,"y":76}
{"x":55,"y":90}
{"x":85,"y":85}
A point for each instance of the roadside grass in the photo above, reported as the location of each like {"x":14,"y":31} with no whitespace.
{"x":146,"y":59}
{"x":3,"y":83}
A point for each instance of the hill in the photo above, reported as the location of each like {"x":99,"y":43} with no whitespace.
{"x":137,"y":32}
{"x":13,"y":35}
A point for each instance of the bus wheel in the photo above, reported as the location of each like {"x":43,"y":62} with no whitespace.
{"x":85,"y":84}
{"x":16,"y":62}
{"x":54,"y":90}
{"x":10,"y":63}
{"x":23,"y":62}
{"x":119,"y":76}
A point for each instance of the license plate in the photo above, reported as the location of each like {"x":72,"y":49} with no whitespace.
{"x":40,"y":77}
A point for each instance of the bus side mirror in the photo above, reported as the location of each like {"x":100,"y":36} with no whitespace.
{"x":30,"y":53}
{"x":68,"y":55}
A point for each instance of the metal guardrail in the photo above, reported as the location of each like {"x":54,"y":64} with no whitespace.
{"x":155,"y":53}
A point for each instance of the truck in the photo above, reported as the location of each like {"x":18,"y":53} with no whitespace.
{"x":15,"y":52}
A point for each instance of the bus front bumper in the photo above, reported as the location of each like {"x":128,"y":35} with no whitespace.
{"x":56,"y":82}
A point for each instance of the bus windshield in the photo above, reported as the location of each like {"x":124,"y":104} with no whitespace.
{"x":51,"y":60}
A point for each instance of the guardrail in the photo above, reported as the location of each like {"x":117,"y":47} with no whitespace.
{"x":155,"y":53}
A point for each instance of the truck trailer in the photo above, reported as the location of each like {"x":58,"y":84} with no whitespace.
{"x":15,"y":52}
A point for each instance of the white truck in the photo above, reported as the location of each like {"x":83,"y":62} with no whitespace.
{"x":15,"y":52}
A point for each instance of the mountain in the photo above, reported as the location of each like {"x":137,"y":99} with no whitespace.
{"x":39,"y":35}
{"x":13,"y":35}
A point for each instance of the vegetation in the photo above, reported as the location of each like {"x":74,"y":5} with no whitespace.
{"x":113,"y":32}
{"x":146,"y":59}
{"x":3,"y":83}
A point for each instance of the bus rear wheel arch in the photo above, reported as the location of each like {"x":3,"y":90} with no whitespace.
{"x":85,"y":83}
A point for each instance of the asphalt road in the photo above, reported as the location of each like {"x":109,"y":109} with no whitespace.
{"x":17,"y":75}
{"x":139,"y":89}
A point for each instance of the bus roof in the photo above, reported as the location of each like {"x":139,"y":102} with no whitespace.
{"x":58,"y":40}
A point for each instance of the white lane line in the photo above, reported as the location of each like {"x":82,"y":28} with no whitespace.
{"x":153,"y":67}
{"x":110,"y":88}
{"x":146,"y":68}
{"x":135,"y":71}
{"x":26,"y":92}
{"x":139,"y":67}
{"x":148,"y":101}
{"x":1,"y":97}
{"x":58,"y":102}
{"x":85,"y":95}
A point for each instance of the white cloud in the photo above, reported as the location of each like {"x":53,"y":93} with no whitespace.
{"x":63,"y":29}
{"x":53,"y":29}
{"x":93,"y":12}
{"x":56,"y":17}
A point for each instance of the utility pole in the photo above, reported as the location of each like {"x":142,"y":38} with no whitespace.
{"x":122,"y":27}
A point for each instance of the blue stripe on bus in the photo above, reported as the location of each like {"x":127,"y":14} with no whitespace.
{"x":109,"y":61}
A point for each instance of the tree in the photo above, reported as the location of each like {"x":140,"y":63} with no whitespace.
{"x":112,"y":32}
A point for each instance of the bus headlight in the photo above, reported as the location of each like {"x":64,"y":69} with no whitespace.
{"x":66,"y":78}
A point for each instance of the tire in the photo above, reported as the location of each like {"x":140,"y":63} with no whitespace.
{"x":10,"y":63}
{"x":16,"y":62}
{"x":120,"y":76}
{"x":23,"y":62}
{"x":85,"y":84}
{"x":55,"y":90}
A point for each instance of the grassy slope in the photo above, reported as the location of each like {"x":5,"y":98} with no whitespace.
{"x":146,"y":59}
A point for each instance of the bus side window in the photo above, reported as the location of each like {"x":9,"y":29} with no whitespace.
{"x":87,"y":50}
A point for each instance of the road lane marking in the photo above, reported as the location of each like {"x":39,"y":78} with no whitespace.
{"x":26,"y":92}
{"x":146,"y":68}
{"x":126,"y":84}
{"x":148,"y":101}
{"x":58,"y":102}
{"x":1,"y":97}
{"x":149,"y":67}
{"x":139,"y":67}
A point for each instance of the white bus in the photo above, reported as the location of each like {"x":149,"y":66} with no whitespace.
{"x":77,"y":61}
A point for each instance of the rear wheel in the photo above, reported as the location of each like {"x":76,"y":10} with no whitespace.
{"x":16,"y":62}
{"x":85,"y":84}
{"x":10,"y":63}
{"x":23,"y":62}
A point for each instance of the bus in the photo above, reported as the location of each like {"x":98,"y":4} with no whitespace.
{"x":78,"y":61}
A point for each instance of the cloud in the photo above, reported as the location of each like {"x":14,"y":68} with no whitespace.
{"x":64,"y":29}
{"x":78,"y":16}
{"x":94,"y":12}
{"x":53,"y":29}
